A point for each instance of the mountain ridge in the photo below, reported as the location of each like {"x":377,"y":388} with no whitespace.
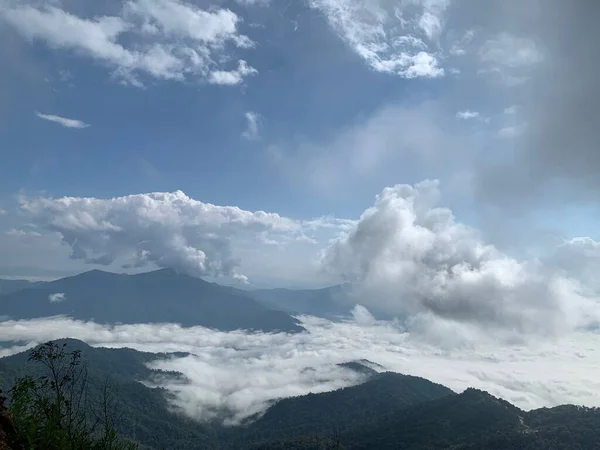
{"x":377,"y":414}
{"x":150,"y":297}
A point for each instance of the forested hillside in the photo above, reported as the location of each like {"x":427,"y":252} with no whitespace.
{"x":387,"y":411}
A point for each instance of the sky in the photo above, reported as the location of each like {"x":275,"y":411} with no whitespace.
{"x":242,"y":141}
{"x":440,"y":156}
{"x":303,"y":110}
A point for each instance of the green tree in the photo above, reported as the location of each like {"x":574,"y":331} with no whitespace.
{"x":52,"y":411}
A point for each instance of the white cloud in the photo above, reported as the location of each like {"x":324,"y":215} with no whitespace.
{"x":395,"y":142}
{"x":252,"y":131}
{"x":459,"y":47}
{"x":166,"y":39}
{"x":509,"y":58}
{"x":467,"y":115}
{"x":16,"y":232}
{"x":511,"y":131}
{"x":232,"y":77}
{"x":164,"y":229}
{"x":57,"y":297}
{"x":253,"y":2}
{"x":167,"y":229}
{"x":68,"y":123}
{"x":244,"y":372}
{"x":386,"y":36}
{"x":471,"y":115}
{"x":3,"y":212}
{"x":579,"y":258}
{"x":511,"y":110}
{"x":413,"y":260}
{"x":511,"y":51}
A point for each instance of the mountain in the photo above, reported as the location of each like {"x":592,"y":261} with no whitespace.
{"x":8,"y":286}
{"x":362,"y":366}
{"x":450,"y":421}
{"x":386,"y":411}
{"x":146,"y":417}
{"x":331,"y":302}
{"x":158,"y":296}
{"x":380,"y":395}
{"x":143,"y":413}
{"x":326,"y":302}
{"x":471,"y":420}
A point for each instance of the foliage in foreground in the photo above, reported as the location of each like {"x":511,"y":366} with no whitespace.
{"x":53,"y":411}
{"x":64,"y":404}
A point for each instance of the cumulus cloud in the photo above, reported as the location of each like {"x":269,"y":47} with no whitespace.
{"x":166,"y":39}
{"x":68,"y":123}
{"x":57,"y":297}
{"x":412,"y":259}
{"x":391,"y":38}
{"x":239,"y":374}
{"x":167,"y":229}
{"x":252,"y":131}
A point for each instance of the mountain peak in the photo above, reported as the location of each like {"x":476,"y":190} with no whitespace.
{"x":96,"y":273}
{"x":159,"y":296}
{"x":166,"y":273}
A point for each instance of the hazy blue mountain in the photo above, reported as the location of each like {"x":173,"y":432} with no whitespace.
{"x":325,"y":302}
{"x":158,"y":296}
{"x":331,"y":302}
{"x":9,"y":286}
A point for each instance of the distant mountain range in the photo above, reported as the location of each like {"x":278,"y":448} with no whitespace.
{"x":387,"y":411}
{"x":118,"y":298}
{"x":8,"y":286}
{"x":326,"y":302}
{"x":153,"y":297}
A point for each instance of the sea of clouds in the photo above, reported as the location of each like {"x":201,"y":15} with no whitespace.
{"x":239,"y":373}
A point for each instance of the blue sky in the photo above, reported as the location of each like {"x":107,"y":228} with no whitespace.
{"x":187,"y":135}
{"x":304,"y":109}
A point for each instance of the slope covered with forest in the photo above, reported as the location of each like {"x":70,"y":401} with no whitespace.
{"x":386,"y":411}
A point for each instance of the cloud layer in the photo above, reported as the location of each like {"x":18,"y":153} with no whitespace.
{"x":242,"y":373}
